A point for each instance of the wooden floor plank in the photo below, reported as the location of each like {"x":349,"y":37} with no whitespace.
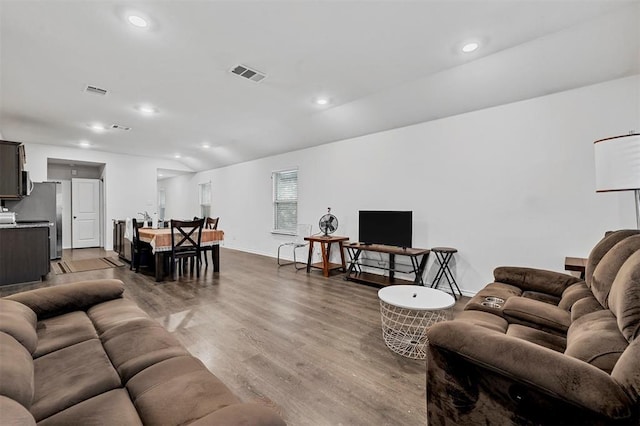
{"x":310,"y":347}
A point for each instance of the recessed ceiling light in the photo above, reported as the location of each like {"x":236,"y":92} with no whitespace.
{"x":85,"y":144}
{"x":206,"y":145}
{"x":177,"y":156}
{"x":470,"y":47}
{"x":97,"y":127}
{"x":137,"y":21}
{"x":147,"y":109}
{"x":322,"y":101}
{"x":160,"y":175}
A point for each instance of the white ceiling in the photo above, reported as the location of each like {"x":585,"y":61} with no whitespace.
{"x":383,"y":64}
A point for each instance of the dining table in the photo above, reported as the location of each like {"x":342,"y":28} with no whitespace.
{"x":160,"y":241}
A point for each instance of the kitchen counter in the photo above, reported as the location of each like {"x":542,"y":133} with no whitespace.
{"x":43,"y":224}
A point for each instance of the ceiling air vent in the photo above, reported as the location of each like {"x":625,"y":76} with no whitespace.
{"x":95,"y":90}
{"x":248,"y":73}
{"x":119,"y":127}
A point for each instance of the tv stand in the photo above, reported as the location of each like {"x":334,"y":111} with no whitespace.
{"x":417,"y":256}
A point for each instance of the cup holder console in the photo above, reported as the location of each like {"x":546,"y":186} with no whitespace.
{"x":493,"y":302}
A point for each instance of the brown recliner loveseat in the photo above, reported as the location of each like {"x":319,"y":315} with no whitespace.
{"x":82,"y":354}
{"x":541,"y":347}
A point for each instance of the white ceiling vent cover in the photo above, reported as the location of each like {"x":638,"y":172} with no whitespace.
{"x":248,"y":73}
{"x":95,"y":90}
{"x":120,"y":127}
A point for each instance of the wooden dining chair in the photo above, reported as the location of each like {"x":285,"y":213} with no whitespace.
{"x":186,"y":238}
{"x":139,"y":249}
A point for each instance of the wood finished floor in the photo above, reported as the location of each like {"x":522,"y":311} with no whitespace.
{"x":310,"y":347}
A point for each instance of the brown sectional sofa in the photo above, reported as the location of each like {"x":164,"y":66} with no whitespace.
{"x":82,"y":354}
{"x":541,"y":347}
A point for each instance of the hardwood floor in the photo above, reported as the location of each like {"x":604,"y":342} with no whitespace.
{"x":310,"y":347}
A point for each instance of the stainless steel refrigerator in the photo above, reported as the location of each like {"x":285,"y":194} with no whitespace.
{"x":44,"y":204}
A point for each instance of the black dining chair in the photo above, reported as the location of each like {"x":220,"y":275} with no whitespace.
{"x":210,"y":223}
{"x":186,"y":237}
{"x":139,"y":249}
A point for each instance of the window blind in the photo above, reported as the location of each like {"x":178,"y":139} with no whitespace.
{"x":285,"y":201}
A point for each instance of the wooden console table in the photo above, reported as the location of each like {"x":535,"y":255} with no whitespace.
{"x":417,"y":256}
{"x":577,"y":264}
{"x":325,"y":245}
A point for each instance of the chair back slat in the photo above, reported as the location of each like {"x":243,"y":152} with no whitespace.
{"x":212,"y":223}
{"x":186,"y":234}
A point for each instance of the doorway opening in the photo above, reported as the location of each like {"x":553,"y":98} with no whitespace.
{"x":82,"y":201}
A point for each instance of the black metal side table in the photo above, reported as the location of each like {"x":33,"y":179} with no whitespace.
{"x":444,"y":255}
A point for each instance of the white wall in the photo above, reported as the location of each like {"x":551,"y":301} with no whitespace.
{"x":509,"y":185}
{"x":181,"y":197}
{"x":130,"y":182}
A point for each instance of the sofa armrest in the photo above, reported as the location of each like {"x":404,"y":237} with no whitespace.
{"x":551,"y":373}
{"x":241,"y":415}
{"x":532,"y":279}
{"x":52,"y":301}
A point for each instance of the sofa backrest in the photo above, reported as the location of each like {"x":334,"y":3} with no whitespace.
{"x":624,"y":297}
{"x":610,"y":264}
{"x":624,"y":302}
{"x":602,"y":247}
{"x":18,"y":341}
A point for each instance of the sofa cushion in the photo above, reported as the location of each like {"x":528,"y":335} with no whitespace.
{"x":624,"y":298}
{"x":109,"y":408}
{"x":585,"y":306}
{"x":13,"y":413}
{"x":177,"y":391}
{"x":542,"y":297}
{"x":71,"y":375}
{"x":16,"y":371}
{"x":138,"y":344}
{"x":62,"y":331}
{"x":52,"y":301}
{"x":627,"y":370}
{"x":608,"y":268}
{"x":241,"y":414}
{"x":493,"y":290}
{"x":539,"y":337}
{"x":596,"y":339}
{"x":603,"y":246}
{"x":572,"y":294}
{"x":484,"y":319}
{"x":19,"y":321}
{"x":531,"y":279}
{"x":536,"y":314}
{"x":109,"y":314}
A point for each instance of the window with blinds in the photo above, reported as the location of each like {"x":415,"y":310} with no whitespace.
{"x":205,"y":199}
{"x":285,"y":201}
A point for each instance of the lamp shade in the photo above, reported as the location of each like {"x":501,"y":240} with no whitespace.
{"x":618,"y":163}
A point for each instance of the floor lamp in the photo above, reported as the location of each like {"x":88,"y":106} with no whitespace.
{"x":618,"y":166}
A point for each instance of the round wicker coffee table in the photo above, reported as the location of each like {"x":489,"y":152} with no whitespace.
{"x":407,"y":311}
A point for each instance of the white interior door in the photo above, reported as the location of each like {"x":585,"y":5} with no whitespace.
{"x":85,"y":213}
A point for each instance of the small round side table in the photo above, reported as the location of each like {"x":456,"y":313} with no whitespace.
{"x":407,"y":312}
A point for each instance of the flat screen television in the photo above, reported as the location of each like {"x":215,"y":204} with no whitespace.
{"x":392,"y":228}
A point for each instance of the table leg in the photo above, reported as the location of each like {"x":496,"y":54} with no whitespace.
{"x":215,"y":257}
{"x":344,"y":264}
{"x":325,"y":259}
{"x":353,"y":263}
{"x":420,"y":270}
{"x":159,"y":266}
{"x":310,"y":256}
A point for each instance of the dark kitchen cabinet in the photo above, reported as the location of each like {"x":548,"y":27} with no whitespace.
{"x":11,"y":155}
{"x":24,"y":254}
